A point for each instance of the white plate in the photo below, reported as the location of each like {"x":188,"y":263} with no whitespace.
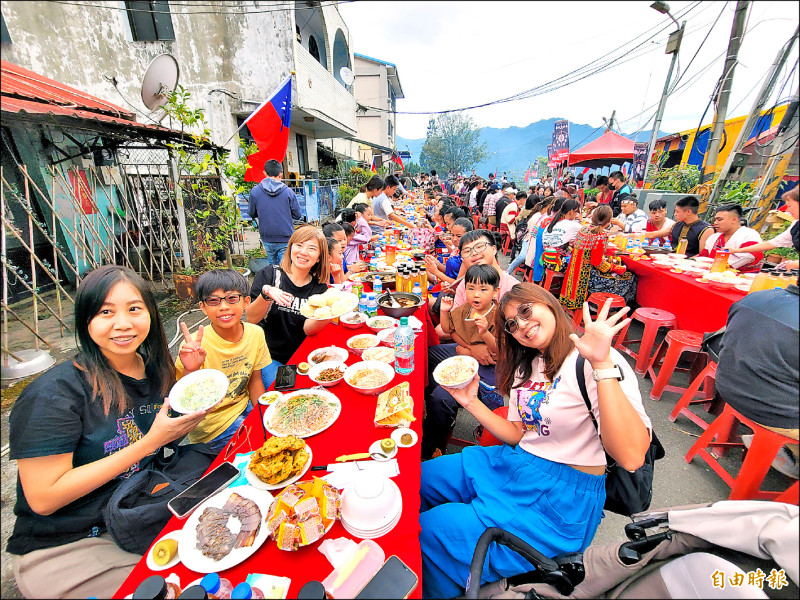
{"x":180,"y":386}
{"x":351,"y":306}
{"x":253,"y":479}
{"x":369,"y":535}
{"x":151,"y":564}
{"x":448,"y":361}
{"x":286,"y":397}
{"x":399,"y":432}
{"x":341,"y":354}
{"x":376,"y":447}
{"x":194,"y":560}
{"x":269,"y":397}
{"x":392,"y":514}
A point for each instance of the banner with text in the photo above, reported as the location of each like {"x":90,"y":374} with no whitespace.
{"x":561,"y":140}
{"x":639,"y":161}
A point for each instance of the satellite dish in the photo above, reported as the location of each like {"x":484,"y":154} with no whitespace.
{"x":159,"y":81}
{"x":347,"y":75}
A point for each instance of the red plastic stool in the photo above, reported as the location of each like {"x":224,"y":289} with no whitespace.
{"x":547,"y":282}
{"x":670,"y":350}
{"x":598,"y":299}
{"x":757,"y":461}
{"x":482,"y":437}
{"x":689,"y":396}
{"x":653,"y":319}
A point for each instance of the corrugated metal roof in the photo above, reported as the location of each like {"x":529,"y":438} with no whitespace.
{"x":22,"y":83}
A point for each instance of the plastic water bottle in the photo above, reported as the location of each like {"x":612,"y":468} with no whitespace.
{"x":667,"y":245}
{"x":377,"y":287}
{"x":372,"y":306}
{"x":362,"y":304}
{"x":417,"y":290}
{"x":645,"y":242}
{"x":217,"y":586}
{"x":404,"y":348}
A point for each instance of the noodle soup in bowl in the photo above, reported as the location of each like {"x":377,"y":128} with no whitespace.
{"x":370,"y":377}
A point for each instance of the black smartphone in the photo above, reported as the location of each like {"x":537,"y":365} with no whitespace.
{"x":393,"y":580}
{"x":209,"y":484}
{"x":285,"y":377}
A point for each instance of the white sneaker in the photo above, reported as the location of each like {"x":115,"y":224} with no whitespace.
{"x":784,"y":461}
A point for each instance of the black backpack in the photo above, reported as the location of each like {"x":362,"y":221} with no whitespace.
{"x":137,"y":510}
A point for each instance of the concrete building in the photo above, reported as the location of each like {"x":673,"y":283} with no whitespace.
{"x":231,"y":56}
{"x":377,"y":87}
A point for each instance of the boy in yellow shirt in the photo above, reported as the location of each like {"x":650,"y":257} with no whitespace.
{"x":237,"y":349}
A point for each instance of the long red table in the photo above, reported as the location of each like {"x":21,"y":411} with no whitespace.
{"x":352,"y":432}
{"x":697,"y":306}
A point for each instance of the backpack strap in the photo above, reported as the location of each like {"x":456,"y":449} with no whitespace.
{"x":277,"y":277}
{"x":579,"y":363}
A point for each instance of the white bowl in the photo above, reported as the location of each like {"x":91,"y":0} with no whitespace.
{"x":704,"y":259}
{"x":388,"y":370}
{"x":371,"y":503}
{"x":175,"y":394}
{"x":314,"y":372}
{"x":676,"y":256}
{"x":381,"y":353}
{"x":382,"y":322}
{"x":373,"y":341}
{"x":466,"y":361}
{"x":383,"y":334}
{"x":361,"y":320}
{"x":333,"y":353}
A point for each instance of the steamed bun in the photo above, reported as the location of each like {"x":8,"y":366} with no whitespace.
{"x":307,"y":310}
{"x":317,"y":301}
{"x":322,"y":313}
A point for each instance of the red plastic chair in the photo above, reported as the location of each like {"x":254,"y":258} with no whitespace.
{"x":653,"y":319}
{"x":707,"y":376}
{"x":547,"y":281}
{"x":597,"y":299}
{"x":482,"y":437}
{"x":670,"y":350}
{"x":746,"y":485}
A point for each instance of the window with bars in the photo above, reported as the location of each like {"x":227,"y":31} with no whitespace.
{"x":150,"y":21}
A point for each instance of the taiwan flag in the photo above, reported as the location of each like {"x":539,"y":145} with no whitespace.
{"x":397,"y":160}
{"x":269,"y":126}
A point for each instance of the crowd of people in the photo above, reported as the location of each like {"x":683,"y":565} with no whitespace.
{"x":110,"y":407}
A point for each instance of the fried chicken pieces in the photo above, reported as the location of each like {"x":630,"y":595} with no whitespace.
{"x":279,"y":459}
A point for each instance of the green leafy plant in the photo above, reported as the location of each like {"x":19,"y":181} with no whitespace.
{"x":674,"y":179}
{"x":259,"y":252}
{"x":346,"y":193}
{"x":787,"y":253}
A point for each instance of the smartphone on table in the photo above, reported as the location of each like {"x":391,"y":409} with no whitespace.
{"x":394,"y":580}
{"x":285,"y":377}
{"x":201,"y":490}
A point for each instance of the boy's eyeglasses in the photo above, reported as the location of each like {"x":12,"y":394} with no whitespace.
{"x":524,"y":312}
{"x":467,"y":252}
{"x":230,"y":299}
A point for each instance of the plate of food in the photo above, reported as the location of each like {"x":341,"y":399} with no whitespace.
{"x":302,"y":413}
{"x":164,"y":553}
{"x":370,"y":377}
{"x":386,"y":337}
{"x":279,"y":462}
{"x":225,"y":530}
{"x":358,"y":343}
{"x":327,"y":354}
{"x":302,"y":513}
{"x":268,"y":398}
{"x":380,"y":323}
{"x":328,"y":373}
{"x":330,"y":305}
{"x":404,"y":437}
{"x":456,"y":371}
{"x":353,"y":320}
{"x":380,"y":353}
{"x":199,"y":390}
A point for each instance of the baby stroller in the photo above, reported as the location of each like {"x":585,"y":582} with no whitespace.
{"x":729,"y":549}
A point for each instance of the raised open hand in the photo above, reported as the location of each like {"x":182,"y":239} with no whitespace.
{"x":595,"y":344}
{"x":192,"y":354}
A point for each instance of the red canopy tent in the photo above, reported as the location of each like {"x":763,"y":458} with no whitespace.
{"x":609,"y":149}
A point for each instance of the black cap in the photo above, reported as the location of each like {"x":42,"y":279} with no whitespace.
{"x":152,"y":588}
{"x":194,"y":592}
{"x":313,"y":590}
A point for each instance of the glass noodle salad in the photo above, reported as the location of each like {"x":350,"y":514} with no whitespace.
{"x":201,"y":394}
{"x":303,"y":414}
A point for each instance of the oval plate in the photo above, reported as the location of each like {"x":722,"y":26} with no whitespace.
{"x":277,"y":405}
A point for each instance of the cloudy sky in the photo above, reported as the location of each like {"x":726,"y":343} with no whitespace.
{"x":459,"y":54}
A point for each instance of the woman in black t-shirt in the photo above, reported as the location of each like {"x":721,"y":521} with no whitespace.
{"x":83,"y":427}
{"x":278,"y":294}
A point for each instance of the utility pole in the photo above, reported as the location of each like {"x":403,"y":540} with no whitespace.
{"x":610,"y":122}
{"x":712,"y":152}
{"x":736,"y":161}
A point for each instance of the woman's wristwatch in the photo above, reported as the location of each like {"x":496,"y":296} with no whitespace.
{"x":614,"y":372}
{"x":266,"y":296}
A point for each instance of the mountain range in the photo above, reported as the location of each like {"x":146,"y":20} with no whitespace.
{"x":518,"y":147}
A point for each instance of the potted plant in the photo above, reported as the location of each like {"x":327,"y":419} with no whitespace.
{"x":257,"y":258}
{"x":185,"y":280}
{"x":778,"y":255}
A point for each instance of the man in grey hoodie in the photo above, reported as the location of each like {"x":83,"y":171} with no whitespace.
{"x":277,"y":205}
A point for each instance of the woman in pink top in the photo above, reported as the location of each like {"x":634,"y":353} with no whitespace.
{"x":546,"y":482}
{"x":363,"y":235}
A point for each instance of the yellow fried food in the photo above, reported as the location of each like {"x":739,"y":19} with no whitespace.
{"x":276,"y":445}
{"x":278,"y":459}
{"x":285,"y":471}
{"x":300,"y":459}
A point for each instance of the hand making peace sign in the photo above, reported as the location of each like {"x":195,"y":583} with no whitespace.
{"x":192,"y":354}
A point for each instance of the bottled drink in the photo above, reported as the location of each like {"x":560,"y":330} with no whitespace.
{"x":407,"y":280}
{"x":667,"y":245}
{"x":377,"y":287}
{"x":358,"y":290}
{"x":404,"y":347}
{"x":683,"y":243}
{"x":362,"y":304}
{"x":720,"y":263}
{"x":216,"y":586}
{"x":391,"y":249}
{"x":417,"y":290}
{"x":372,"y":306}
{"x":244,"y":591}
{"x":423,"y":282}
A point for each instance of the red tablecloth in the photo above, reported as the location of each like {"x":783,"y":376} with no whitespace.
{"x":352,"y":432}
{"x":697,"y":306}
